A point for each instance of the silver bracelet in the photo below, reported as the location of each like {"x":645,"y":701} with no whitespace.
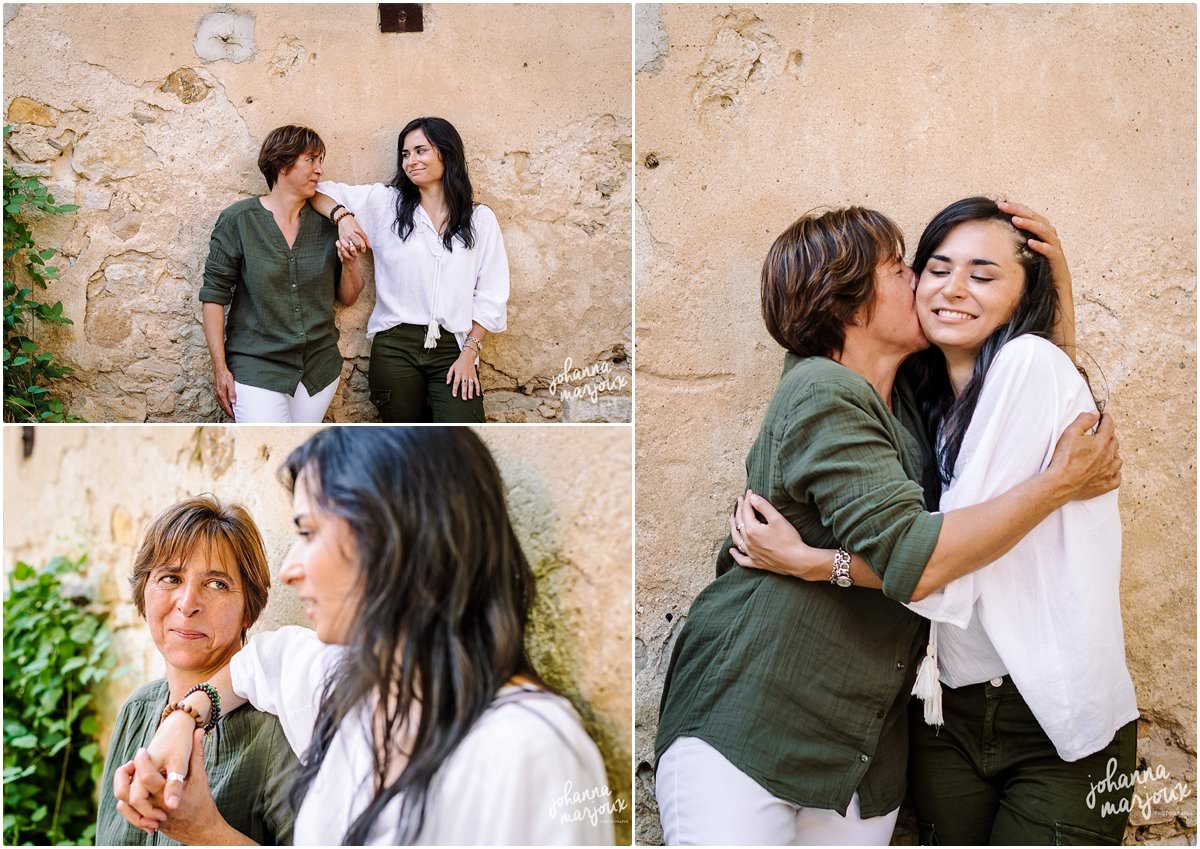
{"x":841,"y":569}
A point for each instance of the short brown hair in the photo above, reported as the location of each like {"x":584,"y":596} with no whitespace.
{"x":819,"y":271}
{"x":283,"y":146}
{"x":204,"y":521}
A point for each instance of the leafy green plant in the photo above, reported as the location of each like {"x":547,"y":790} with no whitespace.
{"x":56,"y":650}
{"x":29,"y":370}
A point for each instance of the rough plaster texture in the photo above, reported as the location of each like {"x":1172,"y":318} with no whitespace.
{"x":755,"y":115}
{"x":150,"y":117}
{"x":93,"y":489}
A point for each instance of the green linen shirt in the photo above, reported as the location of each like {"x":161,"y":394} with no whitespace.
{"x":280,"y":329}
{"x":803,"y":685}
{"x":249,"y":764}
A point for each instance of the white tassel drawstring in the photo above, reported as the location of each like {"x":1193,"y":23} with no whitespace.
{"x":432,"y":334}
{"x":928,"y":686}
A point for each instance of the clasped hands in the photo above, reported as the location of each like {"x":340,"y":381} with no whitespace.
{"x":352,"y":239}
{"x":152,"y":797}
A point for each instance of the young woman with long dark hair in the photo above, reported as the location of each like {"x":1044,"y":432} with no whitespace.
{"x":1037,"y":704}
{"x":440,"y":266}
{"x":415,"y":710}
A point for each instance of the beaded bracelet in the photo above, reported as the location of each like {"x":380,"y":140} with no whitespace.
{"x":214,"y":699}
{"x":188,"y":709}
{"x":333,"y":212}
{"x":345,"y":212}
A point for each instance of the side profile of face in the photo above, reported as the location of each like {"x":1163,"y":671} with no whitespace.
{"x":196,"y":611}
{"x":303,"y":175}
{"x":321,"y":566}
{"x":970,"y":286}
{"x":893,"y":319}
{"x":422,"y":162}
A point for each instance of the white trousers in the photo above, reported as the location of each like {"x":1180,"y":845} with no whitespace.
{"x":704,"y":799}
{"x":262,"y":405}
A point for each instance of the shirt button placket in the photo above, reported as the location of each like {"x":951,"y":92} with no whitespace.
{"x":294,"y":277}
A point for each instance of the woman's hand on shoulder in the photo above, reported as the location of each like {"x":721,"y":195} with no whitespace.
{"x":1087,"y":462}
{"x":772,"y":543}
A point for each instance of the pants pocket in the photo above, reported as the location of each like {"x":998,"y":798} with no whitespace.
{"x":380,"y":397}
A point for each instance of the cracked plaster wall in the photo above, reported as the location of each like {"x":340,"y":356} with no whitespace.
{"x":569,"y":494}
{"x":750,"y":116}
{"x":150,"y":118}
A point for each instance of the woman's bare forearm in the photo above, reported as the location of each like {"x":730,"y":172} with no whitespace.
{"x":322,"y":203}
{"x":1062,"y":333}
{"x":972,"y":537}
{"x":213,"y":321}
{"x":350,"y":283}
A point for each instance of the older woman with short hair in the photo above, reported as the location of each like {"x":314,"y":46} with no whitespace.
{"x":200,"y":580}
{"x":273,"y":262}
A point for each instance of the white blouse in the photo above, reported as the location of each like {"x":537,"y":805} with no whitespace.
{"x":1050,"y":608}
{"x":526,"y":773}
{"x":417,"y":281}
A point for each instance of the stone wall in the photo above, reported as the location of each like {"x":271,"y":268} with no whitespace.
{"x":749,"y":116}
{"x":92,"y":490}
{"x":150,"y":117}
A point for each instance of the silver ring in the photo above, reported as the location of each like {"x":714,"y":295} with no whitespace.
{"x":176,"y":776}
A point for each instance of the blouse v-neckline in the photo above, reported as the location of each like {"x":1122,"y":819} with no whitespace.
{"x":299,"y":224}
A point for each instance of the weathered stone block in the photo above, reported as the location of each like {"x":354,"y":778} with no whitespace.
{"x":112,"y":153}
{"x":185,"y":84}
{"x":23,"y":110}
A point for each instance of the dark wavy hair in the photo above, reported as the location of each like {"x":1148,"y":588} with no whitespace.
{"x":1035,"y":313}
{"x":456,"y":183}
{"x":445,"y":592}
{"x":819,"y":271}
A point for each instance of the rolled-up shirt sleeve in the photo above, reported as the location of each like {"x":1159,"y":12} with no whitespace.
{"x":223,"y":268}
{"x":489,"y":305}
{"x":282,"y":672}
{"x":838,"y":455}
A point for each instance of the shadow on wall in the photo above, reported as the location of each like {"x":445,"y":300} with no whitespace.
{"x":558,"y":638}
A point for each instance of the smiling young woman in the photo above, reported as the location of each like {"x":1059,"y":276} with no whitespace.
{"x":440,"y":265}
